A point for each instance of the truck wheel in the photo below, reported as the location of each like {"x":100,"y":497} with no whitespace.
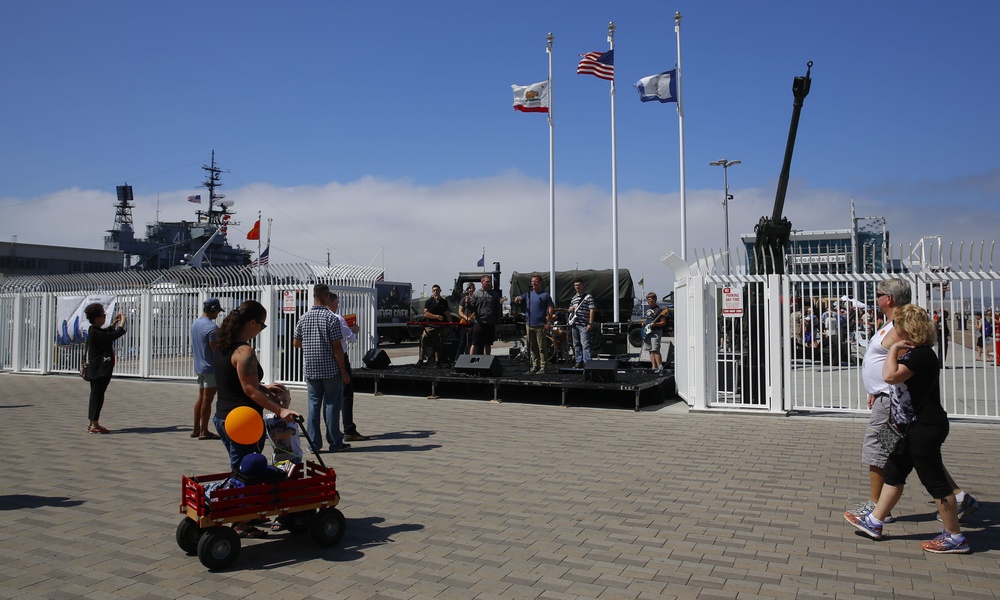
{"x":328,"y":526}
{"x":218,"y":547}
{"x":188,"y":534}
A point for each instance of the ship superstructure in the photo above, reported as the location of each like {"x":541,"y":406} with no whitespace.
{"x":172,"y":244}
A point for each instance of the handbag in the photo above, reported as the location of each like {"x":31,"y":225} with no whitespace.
{"x":83,"y":364}
{"x":891,"y":438}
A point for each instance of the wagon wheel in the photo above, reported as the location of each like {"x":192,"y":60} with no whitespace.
{"x":218,"y":547}
{"x":188,"y":534}
{"x":297,"y":522}
{"x":328,"y":526}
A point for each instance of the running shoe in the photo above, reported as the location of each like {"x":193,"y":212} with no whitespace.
{"x":965,"y":508}
{"x":864,"y":524}
{"x":867,"y":510}
{"x":947,"y":543}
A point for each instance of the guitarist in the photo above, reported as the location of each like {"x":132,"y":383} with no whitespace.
{"x":582,"y":311}
{"x":435,"y":310}
{"x":656,"y":319}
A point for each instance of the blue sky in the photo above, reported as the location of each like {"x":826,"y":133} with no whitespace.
{"x":384,"y":132}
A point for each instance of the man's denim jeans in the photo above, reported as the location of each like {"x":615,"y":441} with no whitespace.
{"x":326,"y":397}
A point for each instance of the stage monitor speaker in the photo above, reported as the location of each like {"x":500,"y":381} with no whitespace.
{"x":479,"y":364}
{"x":635,"y":338}
{"x":613,"y":345}
{"x":600,"y":371}
{"x":376,"y":358}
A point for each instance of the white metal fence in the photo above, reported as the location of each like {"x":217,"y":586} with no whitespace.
{"x":160,"y":308}
{"x":799,"y":344}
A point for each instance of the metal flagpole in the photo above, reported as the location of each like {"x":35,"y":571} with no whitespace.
{"x":552,"y":181}
{"x":614,"y":183}
{"x":258,"y":248}
{"x":267,"y":266}
{"x":680,"y":122}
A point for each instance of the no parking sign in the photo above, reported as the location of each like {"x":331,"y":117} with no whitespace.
{"x":732,"y":302}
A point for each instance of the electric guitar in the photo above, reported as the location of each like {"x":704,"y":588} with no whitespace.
{"x":647,"y":329}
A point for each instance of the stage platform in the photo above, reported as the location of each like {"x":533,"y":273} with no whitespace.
{"x":632,"y":386}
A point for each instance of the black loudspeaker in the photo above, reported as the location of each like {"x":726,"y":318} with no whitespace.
{"x":635,"y":338}
{"x":613,"y":344}
{"x":376,"y":358}
{"x":600,"y":371}
{"x":479,"y":364}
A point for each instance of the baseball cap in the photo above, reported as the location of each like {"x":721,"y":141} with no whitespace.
{"x":253,"y":465}
{"x":212,"y":304}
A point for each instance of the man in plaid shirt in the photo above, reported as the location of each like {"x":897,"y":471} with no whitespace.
{"x":318,"y":333}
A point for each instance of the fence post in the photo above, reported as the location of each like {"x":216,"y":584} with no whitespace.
{"x":688,"y":327}
{"x":46,"y":335}
{"x":698,"y":346}
{"x":17,"y":339}
{"x":145,"y":328}
{"x":266,"y":350}
{"x":785,"y":372}
{"x":775,"y":344}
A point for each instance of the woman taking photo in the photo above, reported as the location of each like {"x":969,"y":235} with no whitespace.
{"x":238,"y":376}
{"x":911,"y":368}
{"x":100,"y":359}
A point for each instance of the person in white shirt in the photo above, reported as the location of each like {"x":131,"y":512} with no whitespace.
{"x":350,"y":336}
{"x":890,"y":294}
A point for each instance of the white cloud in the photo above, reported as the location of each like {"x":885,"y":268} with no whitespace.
{"x":427,"y":234}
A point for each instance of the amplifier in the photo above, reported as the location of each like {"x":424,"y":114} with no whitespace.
{"x":613,"y":328}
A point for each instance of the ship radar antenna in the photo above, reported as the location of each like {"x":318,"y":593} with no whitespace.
{"x":218,"y":212}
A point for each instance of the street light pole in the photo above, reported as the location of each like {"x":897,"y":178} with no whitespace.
{"x":725,"y":164}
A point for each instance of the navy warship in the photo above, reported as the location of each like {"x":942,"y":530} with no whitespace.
{"x":179,"y":244}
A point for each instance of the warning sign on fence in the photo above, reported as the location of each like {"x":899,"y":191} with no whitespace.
{"x":732,"y":302}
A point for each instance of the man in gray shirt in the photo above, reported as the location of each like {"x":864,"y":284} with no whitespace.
{"x":487,"y":302}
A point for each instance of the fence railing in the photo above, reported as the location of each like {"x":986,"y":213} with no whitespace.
{"x":160,"y":308}
{"x":798,"y":344}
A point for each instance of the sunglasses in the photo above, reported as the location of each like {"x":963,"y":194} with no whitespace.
{"x":262,"y":324}
{"x":880,"y":294}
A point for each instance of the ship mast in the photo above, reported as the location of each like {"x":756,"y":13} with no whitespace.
{"x":218,"y":212}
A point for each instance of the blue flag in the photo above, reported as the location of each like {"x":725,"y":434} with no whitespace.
{"x":662,"y":87}
{"x":482,"y":260}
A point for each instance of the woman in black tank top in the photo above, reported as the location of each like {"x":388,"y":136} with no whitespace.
{"x":238,"y":376}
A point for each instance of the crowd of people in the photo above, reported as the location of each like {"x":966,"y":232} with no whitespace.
{"x":900,"y":374}
{"x":548,"y":333}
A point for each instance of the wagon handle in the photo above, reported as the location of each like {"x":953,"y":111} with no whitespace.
{"x":301,"y":420}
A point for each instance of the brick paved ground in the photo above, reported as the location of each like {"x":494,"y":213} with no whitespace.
{"x":469,"y":499}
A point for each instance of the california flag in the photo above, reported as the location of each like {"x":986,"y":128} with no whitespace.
{"x":532,"y":98}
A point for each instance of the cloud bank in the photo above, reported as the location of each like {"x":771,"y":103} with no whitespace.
{"x":426,"y":234}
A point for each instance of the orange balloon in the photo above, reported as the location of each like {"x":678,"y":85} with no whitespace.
{"x":244,"y":425}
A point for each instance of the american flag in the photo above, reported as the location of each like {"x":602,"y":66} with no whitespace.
{"x":598,"y":64}
{"x":262,"y":259}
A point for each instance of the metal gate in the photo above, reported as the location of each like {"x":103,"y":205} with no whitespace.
{"x":799,"y":342}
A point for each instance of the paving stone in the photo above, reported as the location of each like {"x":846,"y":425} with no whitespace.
{"x":468,"y":499}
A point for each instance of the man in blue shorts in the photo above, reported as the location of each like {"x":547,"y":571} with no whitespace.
{"x":203,"y":342}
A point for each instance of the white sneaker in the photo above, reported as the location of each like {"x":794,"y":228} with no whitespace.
{"x":867,"y":510}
